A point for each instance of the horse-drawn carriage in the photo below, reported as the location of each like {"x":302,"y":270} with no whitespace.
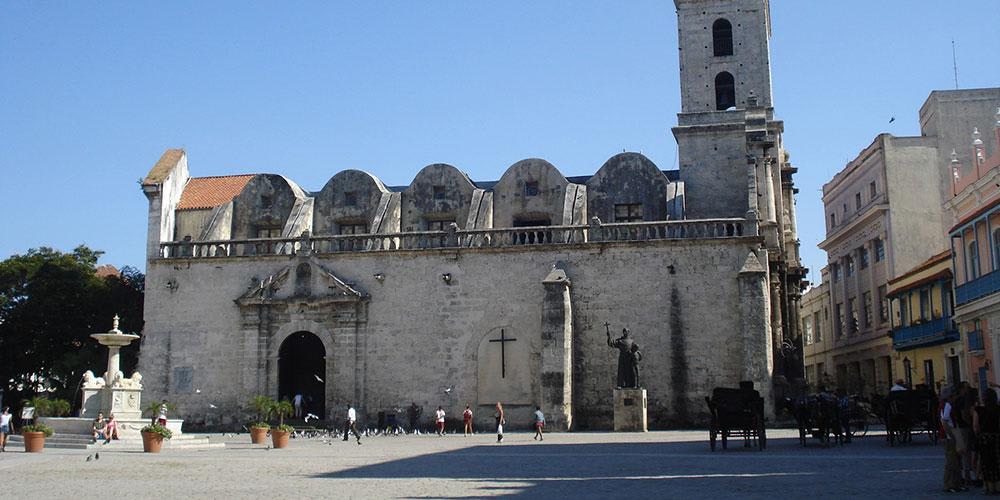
{"x":737,"y":413}
{"x":821,"y":417}
{"x":909,"y":412}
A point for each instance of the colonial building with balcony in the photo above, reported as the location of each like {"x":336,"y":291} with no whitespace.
{"x":817,"y":333}
{"x":924,"y":337}
{"x":975,"y":246}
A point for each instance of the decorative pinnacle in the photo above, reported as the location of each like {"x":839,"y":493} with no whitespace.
{"x":114,"y":323}
{"x":954,"y":156}
{"x":976,"y":141}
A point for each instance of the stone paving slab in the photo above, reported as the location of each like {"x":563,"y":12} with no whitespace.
{"x":581,"y":465}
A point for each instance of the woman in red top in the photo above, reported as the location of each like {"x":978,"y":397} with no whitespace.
{"x":467,"y":420}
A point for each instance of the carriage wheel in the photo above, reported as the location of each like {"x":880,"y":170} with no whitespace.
{"x":863,"y":428}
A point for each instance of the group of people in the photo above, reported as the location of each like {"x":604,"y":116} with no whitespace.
{"x":350,"y":423}
{"x":972,"y":439}
{"x":104,"y":430}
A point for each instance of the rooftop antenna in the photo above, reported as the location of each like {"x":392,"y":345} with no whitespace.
{"x":954,"y":61}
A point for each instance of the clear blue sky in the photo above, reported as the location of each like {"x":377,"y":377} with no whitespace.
{"x":91,"y":93}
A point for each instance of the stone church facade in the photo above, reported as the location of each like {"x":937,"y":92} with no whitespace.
{"x":452,"y":292}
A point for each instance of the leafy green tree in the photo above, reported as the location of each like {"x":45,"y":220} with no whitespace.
{"x":50,"y":304}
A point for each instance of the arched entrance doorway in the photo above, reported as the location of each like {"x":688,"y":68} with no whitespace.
{"x":302,"y":370}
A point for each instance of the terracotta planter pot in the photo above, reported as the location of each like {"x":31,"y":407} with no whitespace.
{"x":151,"y":442}
{"x":34,"y":442}
{"x":279,"y":438}
{"x":258,"y":435}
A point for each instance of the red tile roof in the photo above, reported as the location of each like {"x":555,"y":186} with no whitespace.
{"x":210,"y":192}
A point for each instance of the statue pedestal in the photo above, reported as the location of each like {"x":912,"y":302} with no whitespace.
{"x":630,"y":410}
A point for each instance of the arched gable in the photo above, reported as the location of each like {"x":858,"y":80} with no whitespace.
{"x":439,"y":194}
{"x":534,"y":192}
{"x":354,"y":202}
{"x":628,"y":188}
{"x":262,"y":208}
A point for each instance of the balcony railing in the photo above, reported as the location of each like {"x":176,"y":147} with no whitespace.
{"x":976,"y":340}
{"x":476,"y":238}
{"x":933,"y":332}
{"x":977,"y":288}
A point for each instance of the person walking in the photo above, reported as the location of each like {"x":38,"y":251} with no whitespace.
{"x":413,"y":413}
{"x":467,"y":419}
{"x":6,"y":427}
{"x":439,"y":420}
{"x":297,"y":402}
{"x":498,"y":415}
{"x":350,"y":426}
{"x":539,"y":423}
{"x":952,"y":457}
{"x":986,"y":424}
{"x":162,"y":418}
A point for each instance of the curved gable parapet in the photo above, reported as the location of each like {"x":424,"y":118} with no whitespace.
{"x":533,"y":191}
{"x":349,"y":203}
{"x":263,"y":206}
{"x":628,"y":187}
{"x":439,"y":195}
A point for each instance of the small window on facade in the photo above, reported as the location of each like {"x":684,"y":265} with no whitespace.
{"x":629,"y":212}
{"x":351,"y":198}
{"x":872,"y":190}
{"x":268,"y":232}
{"x":439,"y":225}
{"x":973,"y":258}
{"x":817,"y":327}
{"x":866,"y":307}
{"x":857,"y":201}
{"x":833,"y":220}
{"x":863,"y":257}
{"x":879,"y":250}
{"x":838,"y":311}
{"x":532,"y":222}
{"x":725,"y":91}
{"x":852,"y":308}
{"x":722,"y":38}
{"x":835,"y":272}
{"x":531,"y":188}
{"x":438,"y":192}
{"x":353,"y":229}
{"x":925,"y":304}
{"x":849,"y":264}
{"x":266,"y":201}
{"x":883,"y":305}
{"x":845,"y":209}
{"x":808,"y":331}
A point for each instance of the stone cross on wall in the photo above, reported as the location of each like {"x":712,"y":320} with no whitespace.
{"x":503,"y":352}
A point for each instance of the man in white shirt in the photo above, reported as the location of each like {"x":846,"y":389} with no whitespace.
{"x":349,"y":424}
{"x":439,"y":420}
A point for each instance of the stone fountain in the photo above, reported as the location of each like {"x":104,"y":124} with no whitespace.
{"x":113,"y":393}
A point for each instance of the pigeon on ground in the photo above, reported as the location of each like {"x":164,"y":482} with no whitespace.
{"x":97,"y":456}
{"x":447,"y":390}
{"x":90,"y":457}
{"x":210,"y":405}
{"x":197,"y":391}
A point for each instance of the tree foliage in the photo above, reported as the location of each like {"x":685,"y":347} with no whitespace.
{"x":50,"y":304}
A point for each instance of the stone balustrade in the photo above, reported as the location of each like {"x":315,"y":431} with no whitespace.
{"x":476,"y":238}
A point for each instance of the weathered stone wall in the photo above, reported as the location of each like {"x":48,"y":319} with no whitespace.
{"x":713,"y":168}
{"x":416,"y":334}
{"x":422,"y":202}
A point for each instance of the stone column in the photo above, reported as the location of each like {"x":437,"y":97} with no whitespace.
{"x":755,"y":328}
{"x":557,"y":351}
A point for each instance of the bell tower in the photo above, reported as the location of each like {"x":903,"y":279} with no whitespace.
{"x":724,"y":69}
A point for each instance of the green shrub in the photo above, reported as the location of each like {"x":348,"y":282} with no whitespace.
{"x":282,"y":409}
{"x":38,"y":428}
{"x":284,"y":428}
{"x":158,"y":429}
{"x":260,"y":425}
{"x":261,"y":406}
{"x":45,"y":407}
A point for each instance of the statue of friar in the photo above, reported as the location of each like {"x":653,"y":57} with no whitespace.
{"x":628,"y":358}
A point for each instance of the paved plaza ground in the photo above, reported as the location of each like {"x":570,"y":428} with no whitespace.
{"x":671,"y":464}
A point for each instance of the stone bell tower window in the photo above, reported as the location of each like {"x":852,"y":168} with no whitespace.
{"x":722,"y":38}
{"x":725,"y":91}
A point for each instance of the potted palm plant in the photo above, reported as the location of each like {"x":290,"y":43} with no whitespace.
{"x":153,"y":436}
{"x":279,"y":434}
{"x":34,"y":434}
{"x":258,"y":428}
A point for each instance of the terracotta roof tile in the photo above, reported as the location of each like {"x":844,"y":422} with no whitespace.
{"x":163,"y":167}
{"x":210,"y":192}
